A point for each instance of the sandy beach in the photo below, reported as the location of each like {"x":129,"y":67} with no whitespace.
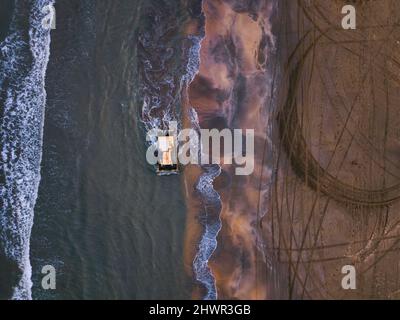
{"x":334,"y":199}
{"x":323,"y":102}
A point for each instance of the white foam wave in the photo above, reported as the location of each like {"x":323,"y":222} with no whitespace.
{"x":211,"y":222}
{"x":23,"y":63}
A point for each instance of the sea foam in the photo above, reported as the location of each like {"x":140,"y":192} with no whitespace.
{"x":24,"y":55}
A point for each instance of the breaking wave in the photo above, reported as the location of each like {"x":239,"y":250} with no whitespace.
{"x":210,"y":219}
{"x":163,"y":78}
{"x":24,"y":55}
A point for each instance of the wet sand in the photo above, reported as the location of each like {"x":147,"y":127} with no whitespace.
{"x":231,"y":91}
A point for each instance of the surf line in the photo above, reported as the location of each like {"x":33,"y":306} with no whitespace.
{"x":209,"y":217}
{"x":211,"y":221}
{"x":21,"y":135}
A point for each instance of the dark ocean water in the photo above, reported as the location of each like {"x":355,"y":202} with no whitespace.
{"x":110,"y":227}
{"x":6,"y":14}
{"x":76,"y":190}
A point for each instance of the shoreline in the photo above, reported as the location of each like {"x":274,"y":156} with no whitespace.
{"x":230,"y":91}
